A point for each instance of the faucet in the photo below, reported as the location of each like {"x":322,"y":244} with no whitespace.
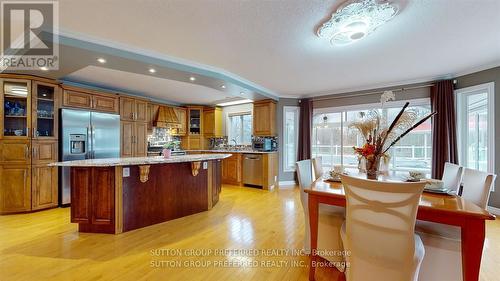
{"x":235,"y":143}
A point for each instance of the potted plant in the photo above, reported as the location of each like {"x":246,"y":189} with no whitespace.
{"x":168,"y":147}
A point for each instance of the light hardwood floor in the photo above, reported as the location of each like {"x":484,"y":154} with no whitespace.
{"x":45,"y":246}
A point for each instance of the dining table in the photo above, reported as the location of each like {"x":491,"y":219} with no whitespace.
{"x":449,"y":209}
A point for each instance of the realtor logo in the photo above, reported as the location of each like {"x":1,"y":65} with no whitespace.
{"x":28,"y":35}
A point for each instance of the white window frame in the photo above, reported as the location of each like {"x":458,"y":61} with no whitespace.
{"x":460,"y":95}
{"x":366,"y":106}
{"x":284,"y":155}
{"x":228,"y":124}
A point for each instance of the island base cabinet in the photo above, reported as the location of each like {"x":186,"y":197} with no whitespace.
{"x":15,"y":188}
{"x":93,"y":199}
{"x":44,"y":187}
{"x":122,"y":198}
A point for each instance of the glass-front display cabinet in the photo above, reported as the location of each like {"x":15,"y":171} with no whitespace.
{"x":45,"y":104}
{"x":16,"y":99}
{"x":194,"y":121}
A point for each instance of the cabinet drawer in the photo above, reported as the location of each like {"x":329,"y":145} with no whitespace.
{"x":77,"y":99}
{"x":105,"y":103}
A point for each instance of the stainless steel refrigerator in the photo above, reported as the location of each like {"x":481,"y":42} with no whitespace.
{"x":86,"y":135}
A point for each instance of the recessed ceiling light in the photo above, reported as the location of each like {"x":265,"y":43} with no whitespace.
{"x":152,"y":70}
{"x":223,"y":86}
{"x":242,"y":93}
{"x":101,"y":60}
{"x":192,"y":78}
{"x":44,"y":68}
{"x":234,"y":102}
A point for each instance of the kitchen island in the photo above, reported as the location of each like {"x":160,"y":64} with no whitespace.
{"x":121,"y":194}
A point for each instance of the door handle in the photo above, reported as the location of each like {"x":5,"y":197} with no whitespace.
{"x":33,"y":152}
{"x":34,"y":132}
{"x":27,"y":152}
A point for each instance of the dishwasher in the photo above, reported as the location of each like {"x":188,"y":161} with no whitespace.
{"x":252,"y":169}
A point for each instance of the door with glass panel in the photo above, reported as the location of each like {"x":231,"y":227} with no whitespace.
{"x":44,"y":114}
{"x":15,"y":96}
{"x":475,"y":127}
{"x":16,"y":109}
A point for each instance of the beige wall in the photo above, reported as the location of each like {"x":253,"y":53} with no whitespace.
{"x":371,"y":96}
{"x":486,"y":76}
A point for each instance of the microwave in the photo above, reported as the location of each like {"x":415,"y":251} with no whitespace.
{"x":263,"y":145}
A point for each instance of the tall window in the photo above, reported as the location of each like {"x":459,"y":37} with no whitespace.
{"x":290,"y":137}
{"x":333,"y":139}
{"x":475,"y":127}
{"x":240,"y":128}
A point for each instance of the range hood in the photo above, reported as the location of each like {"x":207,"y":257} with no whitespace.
{"x":166,"y":118}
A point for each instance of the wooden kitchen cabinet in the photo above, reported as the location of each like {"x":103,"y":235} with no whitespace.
{"x":44,"y":193}
{"x":132,"y":109}
{"x":77,"y":99}
{"x":127,"y":109}
{"x":153,"y":109}
{"x":141,"y":110}
{"x":194,"y":142}
{"x":16,"y":152}
{"x":232,"y":169}
{"x":133,"y":139}
{"x":127,"y":139}
{"x":44,"y":152}
{"x":45,"y":105}
{"x":93,"y":198}
{"x":105,"y":103}
{"x":212,"y":122}
{"x":181,"y":114}
{"x":141,"y":142}
{"x":16,"y":109}
{"x":264,"y":118}
{"x":87,"y":99}
{"x":15,"y":188}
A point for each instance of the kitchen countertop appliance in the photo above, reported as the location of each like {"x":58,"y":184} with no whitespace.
{"x":86,"y":135}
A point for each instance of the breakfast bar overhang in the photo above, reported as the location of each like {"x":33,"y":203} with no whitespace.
{"x":121,"y":194}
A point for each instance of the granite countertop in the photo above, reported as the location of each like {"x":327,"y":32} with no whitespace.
{"x":108,"y":162}
{"x":231,"y":151}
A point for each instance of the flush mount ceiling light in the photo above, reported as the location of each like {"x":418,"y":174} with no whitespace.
{"x":101,"y":60}
{"x":356,"y":19}
{"x":192,"y":78}
{"x":152,"y":70}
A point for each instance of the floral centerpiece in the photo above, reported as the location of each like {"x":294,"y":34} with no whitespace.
{"x":379,"y":138}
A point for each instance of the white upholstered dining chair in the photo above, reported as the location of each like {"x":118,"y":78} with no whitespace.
{"x":378,"y":233}
{"x":329,"y":222}
{"x":452,"y":176}
{"x":318,"y":167}
{"x":443,"y":242}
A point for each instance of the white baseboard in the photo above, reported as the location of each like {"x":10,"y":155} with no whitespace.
{"x":493,"y":210}
{"x":287,"y":183}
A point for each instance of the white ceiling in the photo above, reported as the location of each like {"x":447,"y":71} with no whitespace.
{"x":149,"y":86}
{"x":273,"y":43}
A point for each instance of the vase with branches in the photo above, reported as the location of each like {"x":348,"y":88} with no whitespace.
{"x":379,"y":138}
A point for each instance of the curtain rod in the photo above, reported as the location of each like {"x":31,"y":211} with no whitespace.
{"x":371,"y":93}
